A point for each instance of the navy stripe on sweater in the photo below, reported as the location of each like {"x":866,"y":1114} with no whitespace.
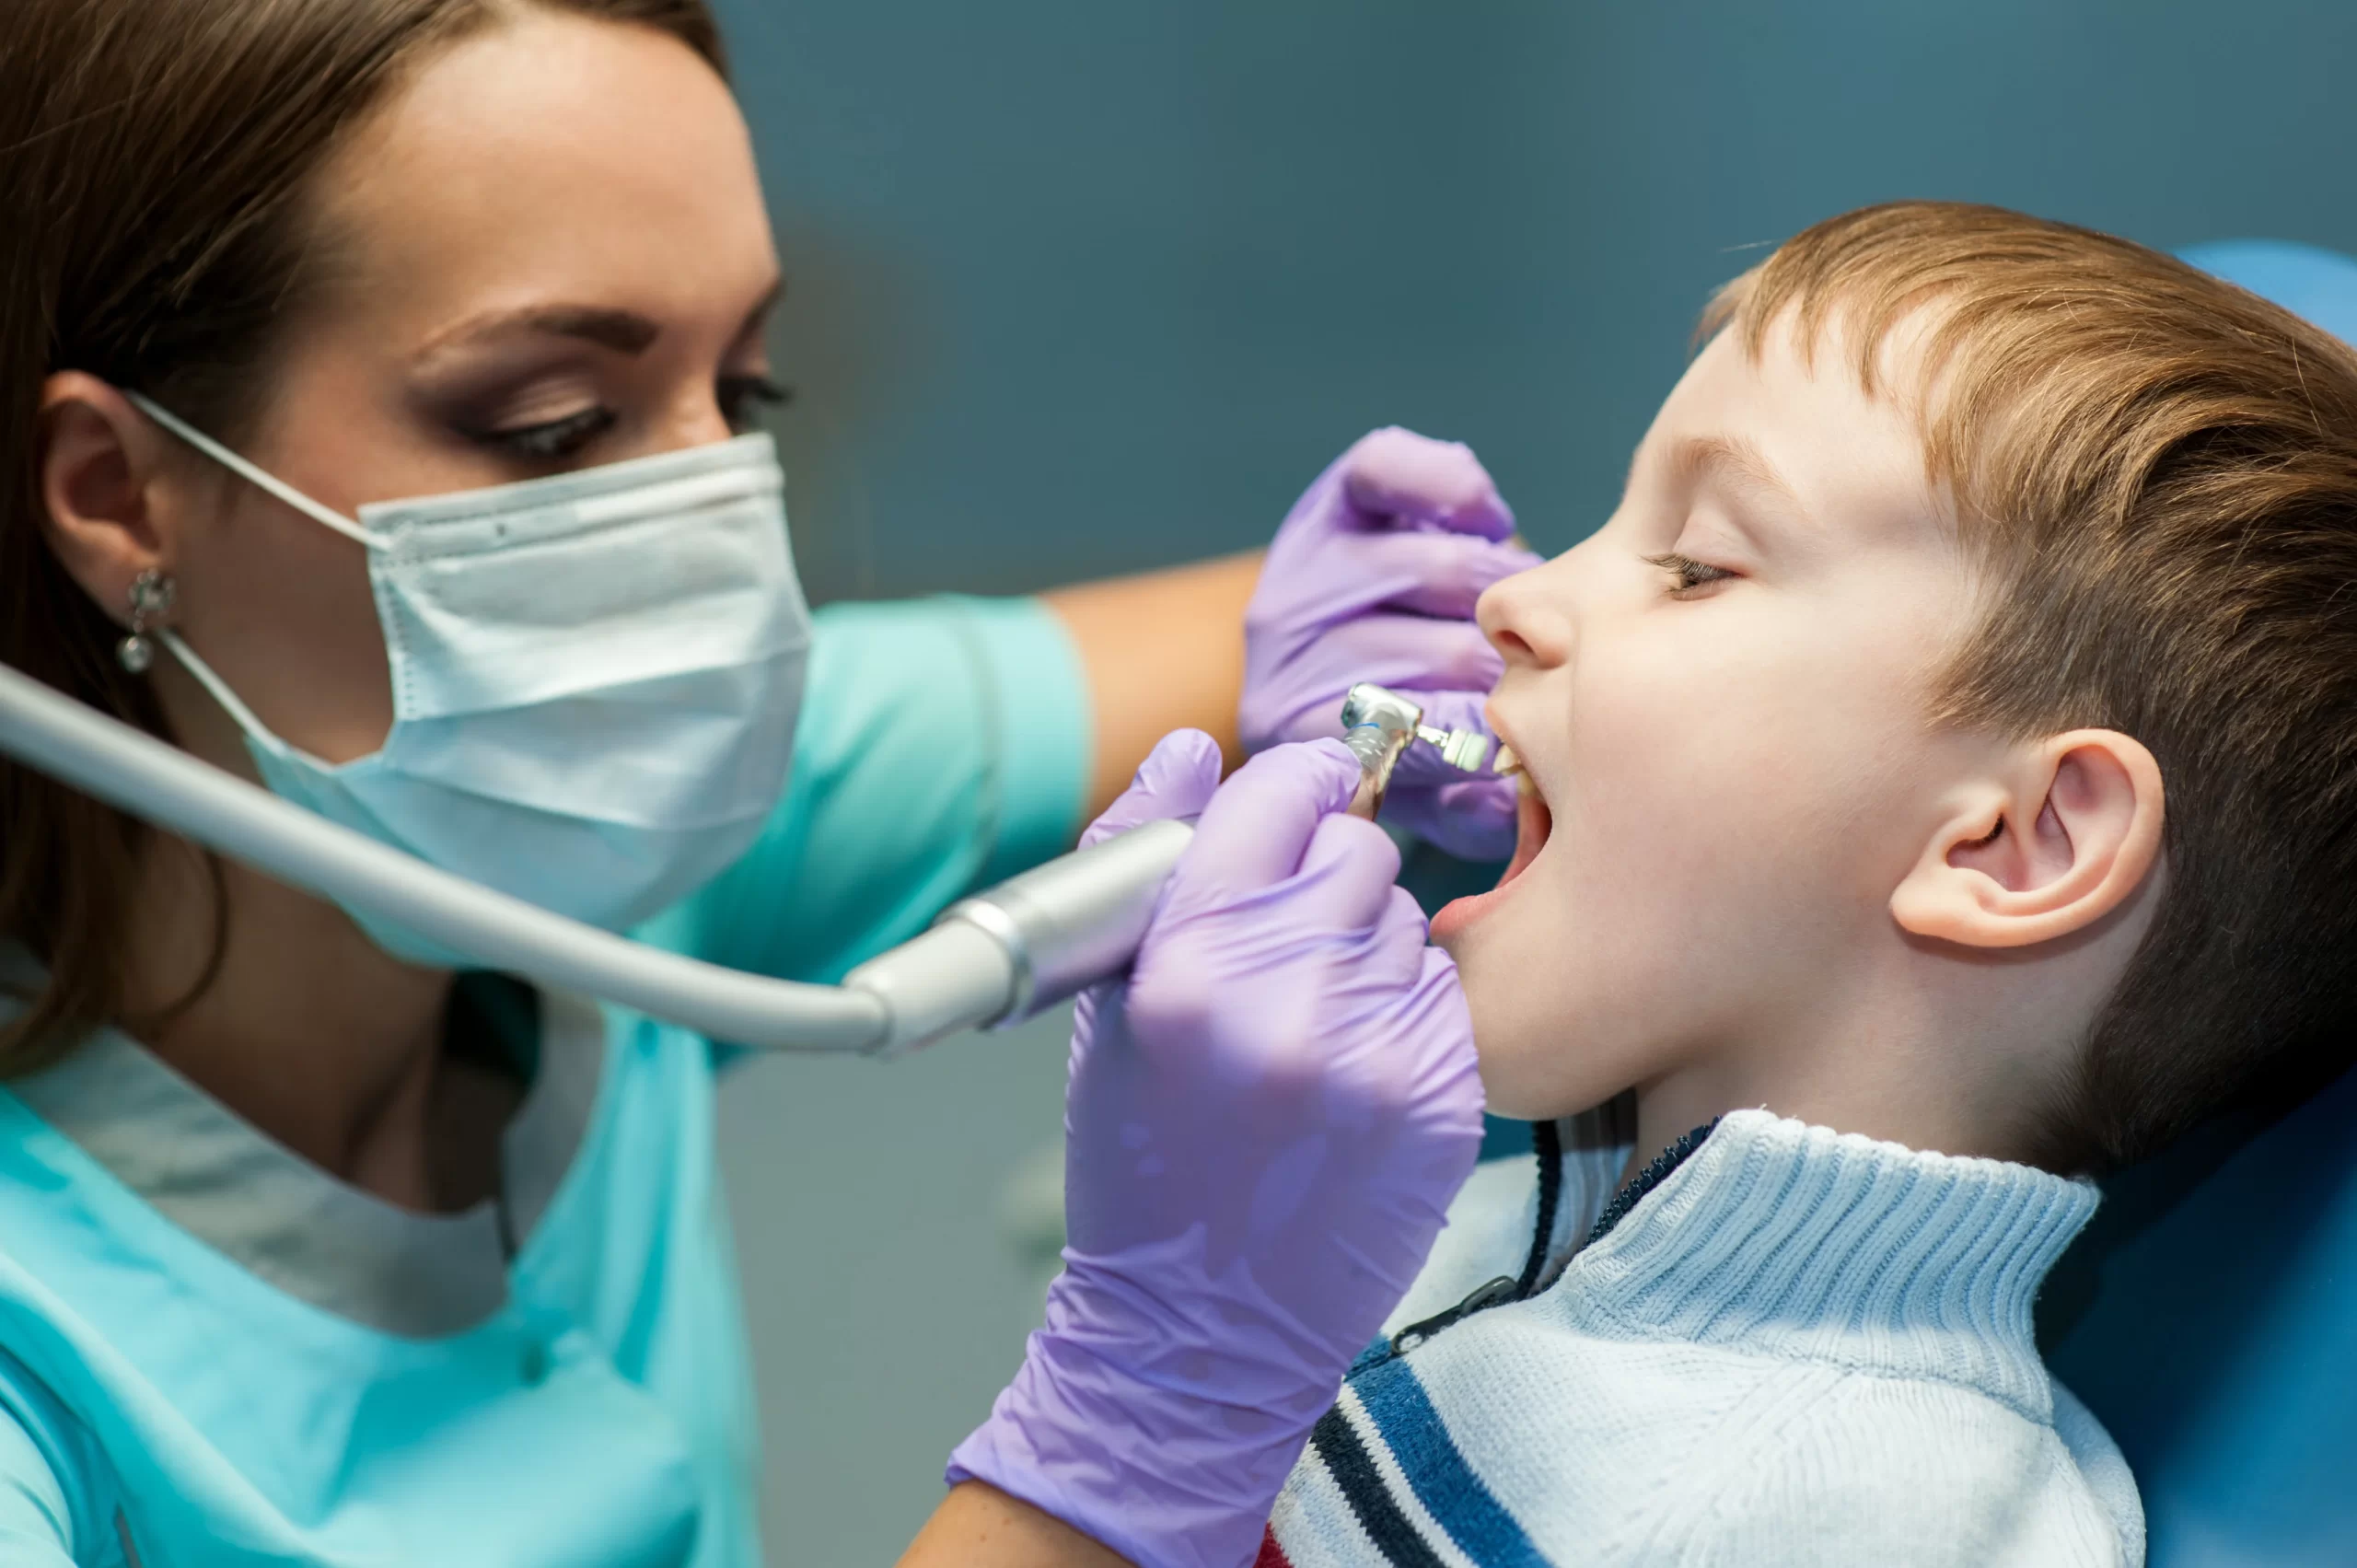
{"x":1362,"y":1486}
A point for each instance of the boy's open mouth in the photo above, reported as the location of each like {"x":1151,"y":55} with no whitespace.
{"x":1533,"y":823}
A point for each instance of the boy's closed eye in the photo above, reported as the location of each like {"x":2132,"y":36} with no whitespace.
{"x":1690,"y":578}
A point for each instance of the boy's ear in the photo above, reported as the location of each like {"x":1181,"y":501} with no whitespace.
{"x":2065,"y":831}
{"x":100,"y":462}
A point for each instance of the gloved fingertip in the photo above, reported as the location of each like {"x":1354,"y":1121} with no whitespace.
{"x":1176,"y":779}
{"x":1482,"y":564}
{"x":1184,"y":762}
{"x":1383,"y":437}
{"x":1323,"y":769}
{"x":1255,"y":828}
{"x":1398,"y":473}
{"x":1482,"y":511}
{"x":1343,"y":769}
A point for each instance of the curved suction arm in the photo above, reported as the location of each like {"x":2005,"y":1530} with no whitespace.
{"x":995,"y":959}
{"x":129,"y":769}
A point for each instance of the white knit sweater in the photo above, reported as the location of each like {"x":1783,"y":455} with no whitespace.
{"x":1798,"y":1347}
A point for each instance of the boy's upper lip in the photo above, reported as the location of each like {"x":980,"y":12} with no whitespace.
{"x":1505,"y":738}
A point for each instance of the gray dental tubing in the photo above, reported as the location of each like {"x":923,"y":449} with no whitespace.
{"x":992,"y":960}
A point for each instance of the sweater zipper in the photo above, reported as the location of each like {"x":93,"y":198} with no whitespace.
{"x":1548,"y":1145}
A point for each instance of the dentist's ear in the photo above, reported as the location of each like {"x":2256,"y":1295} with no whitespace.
{"x":2054,"y":842}
{"x":103,"y":468}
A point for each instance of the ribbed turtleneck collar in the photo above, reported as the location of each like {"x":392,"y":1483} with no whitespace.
{"x":1806,"y":1243}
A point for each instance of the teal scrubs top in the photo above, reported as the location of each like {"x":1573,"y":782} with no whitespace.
{"x":211,"y":1351}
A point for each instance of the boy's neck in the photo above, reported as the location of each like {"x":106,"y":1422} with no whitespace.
{"x":1888,"y":1095}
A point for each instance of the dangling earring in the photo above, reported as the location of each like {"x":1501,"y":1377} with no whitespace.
{"x":151,"y":599}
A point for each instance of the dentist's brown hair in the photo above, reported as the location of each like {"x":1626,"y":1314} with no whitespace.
{"x":157,"y":159}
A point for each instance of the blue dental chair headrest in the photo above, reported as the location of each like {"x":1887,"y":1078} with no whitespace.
{"x":2209,"y":1314}
{"x":2306,"y":280}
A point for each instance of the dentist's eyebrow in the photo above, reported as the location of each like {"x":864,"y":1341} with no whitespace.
{"x":1744,"y":467}
{"x":758,"y":319}
{"x":624,"y":331}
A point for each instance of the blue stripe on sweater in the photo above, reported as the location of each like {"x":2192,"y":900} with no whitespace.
{"x":1443,"y":1482}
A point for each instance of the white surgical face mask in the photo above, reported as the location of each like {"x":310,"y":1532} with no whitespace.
{"x":595,"y":678}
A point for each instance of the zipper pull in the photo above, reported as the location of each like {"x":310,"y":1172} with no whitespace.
{"x":1497,"y":1293}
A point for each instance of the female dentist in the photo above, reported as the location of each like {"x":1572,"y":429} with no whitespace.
{"x":376,"y":375}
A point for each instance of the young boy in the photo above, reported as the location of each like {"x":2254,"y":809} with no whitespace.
{"x":1949,"y":745}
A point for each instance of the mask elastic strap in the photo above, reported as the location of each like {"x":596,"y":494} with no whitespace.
{"x":252,"y":475}
{"x":219,"y":688}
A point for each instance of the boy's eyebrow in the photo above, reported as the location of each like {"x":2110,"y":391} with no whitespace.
{"x":1699,"y":457}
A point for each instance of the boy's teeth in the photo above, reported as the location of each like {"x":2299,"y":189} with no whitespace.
{"x":1507,"y":762}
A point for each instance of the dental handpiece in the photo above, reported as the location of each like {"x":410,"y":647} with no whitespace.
{"x":1379,"y":724}
{"x":1007,"y":954}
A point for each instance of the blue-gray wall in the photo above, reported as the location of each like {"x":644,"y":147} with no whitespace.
{"x":1081,"y":287}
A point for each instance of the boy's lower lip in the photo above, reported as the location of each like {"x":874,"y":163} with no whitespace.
{"x":1458,"y":914}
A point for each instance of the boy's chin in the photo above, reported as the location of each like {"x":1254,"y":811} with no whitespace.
{"x":1514,"y":1091}
{"x":1534,"y":1066}
{"x":1521,"y":1076}
{"x":1518,"y":1093}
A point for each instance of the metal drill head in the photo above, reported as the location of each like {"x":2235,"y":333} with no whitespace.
{"x":1379,"y":716}
{"x":1368,"y":703}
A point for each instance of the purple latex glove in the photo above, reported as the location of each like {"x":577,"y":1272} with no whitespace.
{"x":1264,"y":1126}
{"x":1374,"y":577}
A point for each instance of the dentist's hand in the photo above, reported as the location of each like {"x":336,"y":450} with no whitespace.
{"x":1265,"y":1124}
{"x":1374,"y":577}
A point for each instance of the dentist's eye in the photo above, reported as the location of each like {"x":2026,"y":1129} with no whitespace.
{"x":1687,"y":575}
{"x":553,"y":440}
{"x":743,"y":396}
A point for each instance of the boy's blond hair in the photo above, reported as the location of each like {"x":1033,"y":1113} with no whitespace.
{"x":2156,"y":474}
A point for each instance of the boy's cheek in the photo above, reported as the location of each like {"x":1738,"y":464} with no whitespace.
{"x":1622,"y":939}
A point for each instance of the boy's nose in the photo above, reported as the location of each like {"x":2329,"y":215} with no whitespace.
{"x":1529,"y":625}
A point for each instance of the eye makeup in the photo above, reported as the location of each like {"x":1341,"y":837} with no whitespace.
{"x":542,"y":385}
{"x":551,"y":440}
{"x":742,"y":398}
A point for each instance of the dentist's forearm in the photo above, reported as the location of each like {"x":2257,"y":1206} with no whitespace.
{"x":1164,"y":651}
{"x":980,"y":1527}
